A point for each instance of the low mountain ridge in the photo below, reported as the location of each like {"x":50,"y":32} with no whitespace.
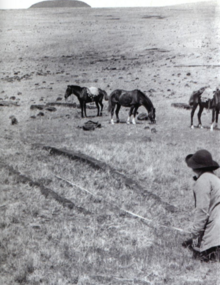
{"x":61,"y":4}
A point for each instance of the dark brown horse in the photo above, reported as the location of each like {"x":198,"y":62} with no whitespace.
{"x":87,"y":95}
{"x":214,"y":104}
{"x":133,"y":99}
{"x":195,"y":100}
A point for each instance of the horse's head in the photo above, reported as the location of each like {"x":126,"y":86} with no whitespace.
{"x":68,"y":92}
{"x":216,"y":92}
{"x":201,"y":90}
{"x":152,"y":115}
{"x":105,"y":95}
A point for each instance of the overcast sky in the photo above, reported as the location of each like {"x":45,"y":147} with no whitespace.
{"x":22,"y":4}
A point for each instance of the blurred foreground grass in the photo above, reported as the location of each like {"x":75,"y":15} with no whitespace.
{"x":42,"y":242}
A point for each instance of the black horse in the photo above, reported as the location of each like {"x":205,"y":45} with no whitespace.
{"x":195,"y":100}
{"x":87,"y":95}
{"x":133,"y":99}
{"x":214,"y":104}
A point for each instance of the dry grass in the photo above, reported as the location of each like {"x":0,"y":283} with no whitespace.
{"x":41,"y":241}
{"x":44,"y":242}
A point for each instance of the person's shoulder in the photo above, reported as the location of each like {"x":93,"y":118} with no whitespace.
{"x":203,"y":183}
{"x":204,"y":178}
{"x":208,"y":176}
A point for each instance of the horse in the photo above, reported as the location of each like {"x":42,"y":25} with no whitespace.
{"x":133,"y":99}
{"x":195,"y":101}
{"x":214,"y":104}
{"x":87,"y":95}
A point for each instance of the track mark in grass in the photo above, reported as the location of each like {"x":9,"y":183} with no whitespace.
{"x":44,"y":190}
{"x":129,"y":182}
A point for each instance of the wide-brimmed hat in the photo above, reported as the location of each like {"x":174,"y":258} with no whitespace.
{"x":202,"y":159}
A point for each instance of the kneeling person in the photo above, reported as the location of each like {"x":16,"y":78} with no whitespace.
{"x":204,"y":237}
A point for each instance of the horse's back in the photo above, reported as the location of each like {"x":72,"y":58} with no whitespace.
{"x":124,"y":97}
{"x":93,"y":91}
{"x":115,"y":94}
{"x":120,"y":92}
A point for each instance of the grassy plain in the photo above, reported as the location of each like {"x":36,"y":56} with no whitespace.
{"x":167,"y":53}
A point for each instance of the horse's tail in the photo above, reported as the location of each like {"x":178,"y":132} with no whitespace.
{"x":105,"y":95}
{"x":110,"y":101}
{"x":194,"y":98}
{"x":191,"y":100}
{"x":109,"y":104}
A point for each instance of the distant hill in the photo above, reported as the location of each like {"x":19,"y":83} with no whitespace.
{"x":60,"y":4}
{"x":196,"y":5}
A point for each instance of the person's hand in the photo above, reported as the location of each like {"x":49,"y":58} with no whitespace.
{"x":187,"y":242}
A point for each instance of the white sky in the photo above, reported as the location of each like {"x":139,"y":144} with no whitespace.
{"x":22,"y":4}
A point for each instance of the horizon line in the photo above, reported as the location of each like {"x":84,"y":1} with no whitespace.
{"x":207,"y":2}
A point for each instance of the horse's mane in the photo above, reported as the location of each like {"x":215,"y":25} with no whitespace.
{"x":76,"y":87}
{"x":148,"y":101}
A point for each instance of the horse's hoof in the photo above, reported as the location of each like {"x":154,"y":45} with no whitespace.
{"x":192,"y":127}
{"x":112,"y":122}
{"x":200,"y":126}
{"x":128,"y":123}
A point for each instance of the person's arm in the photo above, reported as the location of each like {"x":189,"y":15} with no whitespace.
{"x":202,"y":199}
{"x":202,"y":196}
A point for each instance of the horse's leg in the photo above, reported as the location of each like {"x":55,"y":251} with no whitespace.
{"x":199,"y":116}
{"x":213,"y":119}
{"x":217,"y":114}
{"x":117,"y":111}
{"x":81,"y":106}
{"x":112,"y":113}
{"x":101,"y":107}
{"x":129,"y":115}
{"x":97,"y":105}
{"x":134,"y":115}
{"x":84,"y":106}
{"x":192,"y":114}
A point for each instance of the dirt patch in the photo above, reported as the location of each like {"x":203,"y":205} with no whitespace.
{"x":59,"y":104}
{"x":153,"y":16}
{"x":17,"y":78}
{"x":156,"y":49}
{"x":48,"y":105}
{"x":181,"y":105}
{"x":198,"y":65}
{"x":8,"y":104}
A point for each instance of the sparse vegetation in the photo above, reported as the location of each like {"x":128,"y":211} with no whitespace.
{"x":97,"y":242}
